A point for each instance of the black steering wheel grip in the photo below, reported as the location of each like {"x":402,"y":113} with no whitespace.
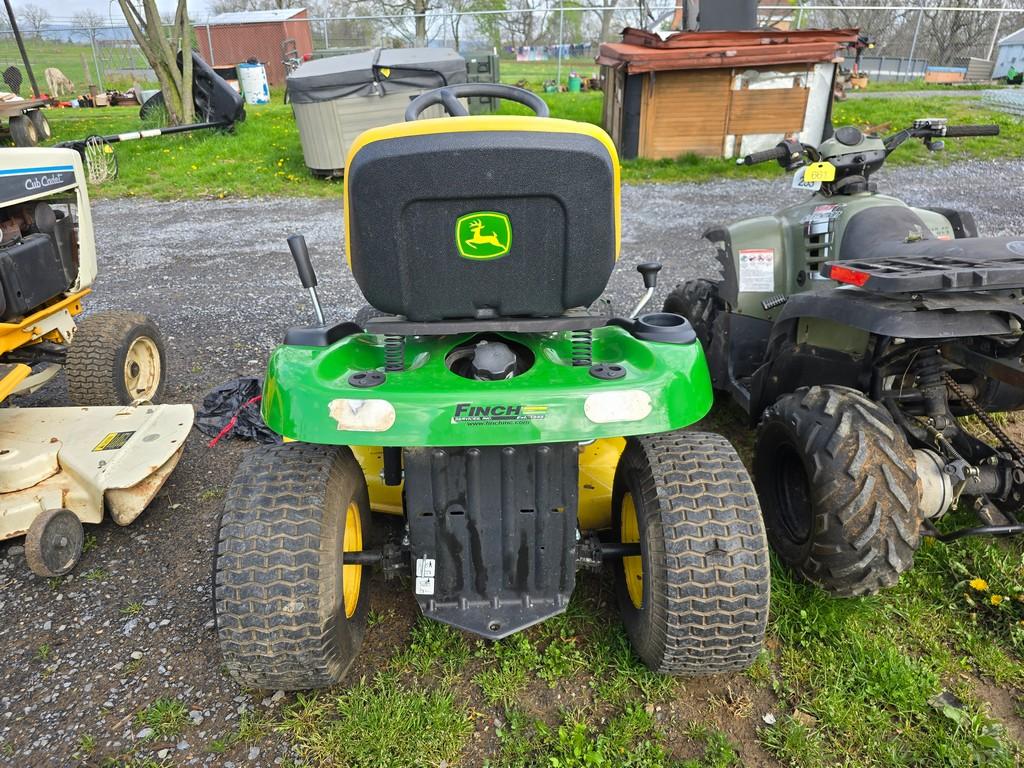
{"x":448,"y":97}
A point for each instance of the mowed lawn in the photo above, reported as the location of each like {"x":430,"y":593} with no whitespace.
{"x":930,"y":673}
{"x":263,"y":155}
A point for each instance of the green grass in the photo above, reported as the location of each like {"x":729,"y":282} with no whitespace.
{"x":381,"y":723}
{"x":264,"y":158}
{"x":167,"y":717}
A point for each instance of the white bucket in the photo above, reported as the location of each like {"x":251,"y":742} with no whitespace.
{"x":253,"y":79}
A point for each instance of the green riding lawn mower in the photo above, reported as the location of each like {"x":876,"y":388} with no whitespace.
{"x":513,"y":434}
{"x":856,"y":332}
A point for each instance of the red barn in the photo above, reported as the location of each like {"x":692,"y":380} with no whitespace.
{"x":232,"y":38}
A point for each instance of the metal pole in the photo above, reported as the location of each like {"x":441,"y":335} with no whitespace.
{"x":209,"y":42}
{"x":21,"y":47}
{"x":995,"y":34}
{"x":327,"y":41}
{"x":917,"y":29}
{"x":561,"y":22}
{"x":96,"y":59}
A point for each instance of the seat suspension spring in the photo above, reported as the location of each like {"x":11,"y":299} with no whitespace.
{"x":581,"y":344}
{"x":394,"y":353}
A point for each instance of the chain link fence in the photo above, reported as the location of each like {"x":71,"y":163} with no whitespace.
{"x":908,"y":38}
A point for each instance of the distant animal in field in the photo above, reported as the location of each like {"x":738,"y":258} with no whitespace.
{"x":57,"y":82}
{"x":12,"y":78}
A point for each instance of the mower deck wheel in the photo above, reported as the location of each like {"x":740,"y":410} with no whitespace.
{"x":290,"y":613}
{"x":695,"y":601}
{"x":54,"y":542}
{"x":839,"y":488}
{"x":116,"y":358}
{"x":697,"y":300}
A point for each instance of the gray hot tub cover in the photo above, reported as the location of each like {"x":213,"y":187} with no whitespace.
{"x":376,"y":72}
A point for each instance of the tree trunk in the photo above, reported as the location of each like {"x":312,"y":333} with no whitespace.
{"x":420,"y":8}
{"x":160,"y":48}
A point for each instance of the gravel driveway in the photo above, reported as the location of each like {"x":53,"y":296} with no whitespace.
{"x":134,"y":622}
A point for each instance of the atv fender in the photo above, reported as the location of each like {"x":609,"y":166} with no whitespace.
{"x":906,"y":317}
{"x":762,"y":234}
{"x":789,"y":364}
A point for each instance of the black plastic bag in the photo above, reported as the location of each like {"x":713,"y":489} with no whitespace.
{"x":233,"y":410}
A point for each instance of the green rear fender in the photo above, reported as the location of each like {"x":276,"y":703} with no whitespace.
{"x":307,"y":395}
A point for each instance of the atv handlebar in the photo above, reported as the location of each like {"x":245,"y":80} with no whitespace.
{"x":956,"y":131}
{"x":775,"y":153}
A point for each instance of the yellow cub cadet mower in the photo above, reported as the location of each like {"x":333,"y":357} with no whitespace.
{"x":59,"y":467}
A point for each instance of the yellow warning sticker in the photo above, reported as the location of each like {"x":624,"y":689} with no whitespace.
{"x":821,"y":171}
{"x":113,"y":441}
{"x":386,"y":71}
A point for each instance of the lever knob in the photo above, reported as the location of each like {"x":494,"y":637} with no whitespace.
{"x":300,"y":253}
{"x":649,"y":270}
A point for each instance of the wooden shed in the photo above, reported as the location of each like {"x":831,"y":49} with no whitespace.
{"x":229,"y":39}
{"x":718,"y":94}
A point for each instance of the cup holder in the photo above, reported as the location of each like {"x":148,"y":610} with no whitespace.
{"x":665,"y":327}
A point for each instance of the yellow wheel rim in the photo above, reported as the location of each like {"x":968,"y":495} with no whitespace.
{"x":352,"y":575}
{"x":142,"y":369}
{"x":632,"y":567}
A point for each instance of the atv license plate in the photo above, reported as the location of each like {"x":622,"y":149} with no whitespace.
{"x":821,"y":171}
{"x":799,"y":182}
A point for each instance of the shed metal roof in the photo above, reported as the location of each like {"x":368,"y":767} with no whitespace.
{"x":253,"y":17}
{"x":642,"y":51}
{"x":1017,"y":38}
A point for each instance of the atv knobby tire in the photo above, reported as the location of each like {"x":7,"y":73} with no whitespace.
{"x":702,"y":604}
{"x":696,"y":300}
{"x":104,"y":359}
{"x":283,"y":620}
{"x":839,"y":488}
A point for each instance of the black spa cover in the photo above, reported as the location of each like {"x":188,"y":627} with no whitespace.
{"x":377,"y":72}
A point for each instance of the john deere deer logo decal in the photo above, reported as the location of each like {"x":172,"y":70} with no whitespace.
{"x":483,"y":235}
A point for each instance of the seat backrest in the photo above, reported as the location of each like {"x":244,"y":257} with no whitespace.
{"x":482,"y":216}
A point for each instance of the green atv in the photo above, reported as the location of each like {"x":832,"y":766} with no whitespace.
{"x":513,"y":434}
{"x":855,"y":330}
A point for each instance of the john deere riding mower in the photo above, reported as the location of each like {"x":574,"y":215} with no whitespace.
{"x":60,"y":467}
{"x":856,"y":331}
{"x":517,"y":435}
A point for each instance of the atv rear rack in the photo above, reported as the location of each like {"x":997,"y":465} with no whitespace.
{"x":930,"y":273}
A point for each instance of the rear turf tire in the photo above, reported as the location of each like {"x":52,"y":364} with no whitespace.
{"x":116,"y":358}
{"x":839,"y":489}
{"x":696,"y":300}
{"x":284,"y":619}
{"x":701,"y":604}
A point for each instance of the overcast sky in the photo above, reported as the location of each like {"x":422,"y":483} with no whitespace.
{"x":63,"y":10}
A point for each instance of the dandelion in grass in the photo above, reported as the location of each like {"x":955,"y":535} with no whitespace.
{"x":996,"y":599}
{"x":979,"y":584}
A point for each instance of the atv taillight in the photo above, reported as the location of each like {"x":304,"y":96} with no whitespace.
{"x":847,"y":275}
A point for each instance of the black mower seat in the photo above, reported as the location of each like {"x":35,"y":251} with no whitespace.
{"x":890,"y":249}
{"x":482,"y":217}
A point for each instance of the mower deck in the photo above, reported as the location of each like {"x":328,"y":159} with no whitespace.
{"x":82,"y":459}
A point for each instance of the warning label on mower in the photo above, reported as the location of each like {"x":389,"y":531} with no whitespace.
{"x":467,"y":413}
{"x":425,"y":575}
{"x":757,"y":270}
{"x":113,"y":441}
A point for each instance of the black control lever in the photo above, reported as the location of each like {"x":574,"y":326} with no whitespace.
{"x":300,"y":253}
{"x":649,"y":270}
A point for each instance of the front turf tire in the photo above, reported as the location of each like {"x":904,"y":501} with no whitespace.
{"x":290,"y":614}
{"x":701,"y":604}
{"x":839,"y":488}
{"x":116,"y":358}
